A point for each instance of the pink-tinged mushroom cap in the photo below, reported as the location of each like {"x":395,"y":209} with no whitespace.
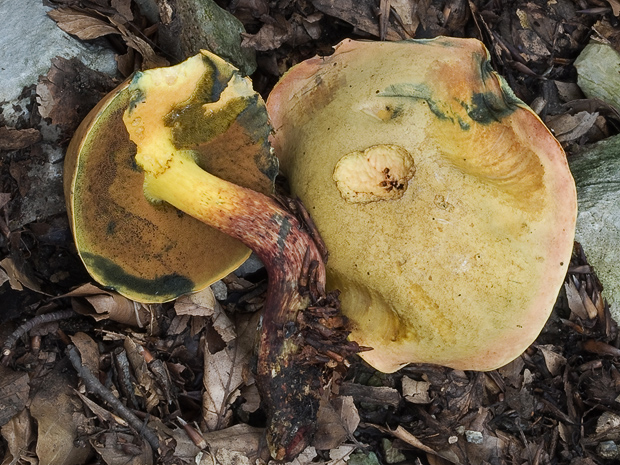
{"x":447,"y":206}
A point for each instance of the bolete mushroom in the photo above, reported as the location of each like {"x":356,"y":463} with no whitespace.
{"x":151,"y":167}
{"x":146,"y":250}
{"x":447,"y":206}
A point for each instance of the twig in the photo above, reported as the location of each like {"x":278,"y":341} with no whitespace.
{"x":10,"y":342}
{"x":94,"y":386}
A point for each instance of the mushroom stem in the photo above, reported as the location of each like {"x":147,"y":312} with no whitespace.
{"x":288,"y":377}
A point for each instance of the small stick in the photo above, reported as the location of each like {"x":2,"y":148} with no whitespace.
{"x":38,"y":320}
{"x":94,"y":386}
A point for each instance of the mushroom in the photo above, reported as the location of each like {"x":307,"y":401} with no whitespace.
{"x":447,"y":206}
{"x":148,"y":183}
{"x":148,"y":251}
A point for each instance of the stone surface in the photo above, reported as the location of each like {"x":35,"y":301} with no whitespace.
{"x":597,"y":175}
{"x":29,"y":41}
{"x":598,"y":73}
{"x":201,"y":24}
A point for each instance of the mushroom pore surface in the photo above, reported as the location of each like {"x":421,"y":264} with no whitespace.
{"x":463,"y":267}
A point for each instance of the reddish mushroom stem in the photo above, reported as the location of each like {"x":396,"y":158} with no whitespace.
{"x":302,"y":337}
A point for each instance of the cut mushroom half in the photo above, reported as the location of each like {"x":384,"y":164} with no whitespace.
{"x":145,"y":249}
{"x":462,"y":267}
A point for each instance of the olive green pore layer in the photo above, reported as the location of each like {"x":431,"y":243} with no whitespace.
{"x":166,"y":287}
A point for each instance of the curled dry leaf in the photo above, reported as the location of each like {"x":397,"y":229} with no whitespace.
{"x":568,"y":128}
{"x":360,"y":14}
{"x":85,"y":25}
{"x":201,"y":303}
{"x":601,"y":348}
{"x":340,"y":455}
{"x":615,"y":7}
{"x":575,"y":303}
{"x":270,"y":36}
{"x":305,"y":457}
{"x":204,"y":304}
{"x":81,"y":23}
{"x":19,"y":274}
{"x":103,"y":304}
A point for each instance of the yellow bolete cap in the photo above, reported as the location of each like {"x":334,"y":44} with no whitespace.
{"x":150,"y":251}
{"x":446,"y":205}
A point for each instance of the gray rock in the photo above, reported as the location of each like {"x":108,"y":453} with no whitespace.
{"x":220,"y":291}
{"x":29,"y":41}
{"x":202,"y":24}
{"x":598,"y":68}
{"x":251,"y":265}
{"x":597,"y":175}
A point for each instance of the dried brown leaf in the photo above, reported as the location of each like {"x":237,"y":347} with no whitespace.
{"x":201,"y":303}
{"x":305,"y":458}
{"x":601,"y":348}
{"x":146,"y":385}
{"x":109,"y":305}
{"x":252,"y":398}
{"x":4,"y":277}
{"x":242,"y":438}
{"x":149,"y":57}
{"x":331,"y":432}
{"x":223,"y":375}
{"x":349,"y":416}
{"x":553,"y":360}
{"x":340,"y":455}
{"x":269,"y":37}
{"x":19,"y":274}
{"x":81,"y":23}
{"x":404,"y":10}
{"x":101,"y":413}
{"x":89,"y":351}
{"x":69,"y":91}
{"x":18,"y":434}
{"x":574,"y":300}
{"x":17,"y":139}
{"x":567,"y":127}
{"x":404,"y":435}
{"x":615,"y":6}
{"x":358,"y":13}
{"x":416,"y":392}
{"x":587,"y":303}
{"x":5,"y":198}
{"x":14,"y":390}
{"x":117,"y":448}
{"x":123,"y":7}
{"x":59,"y":417}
